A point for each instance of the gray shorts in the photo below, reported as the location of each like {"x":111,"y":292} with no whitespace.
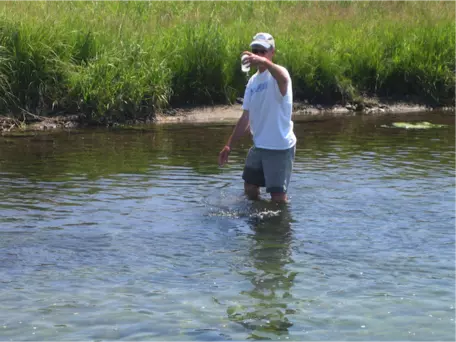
{"x":269,"y":168}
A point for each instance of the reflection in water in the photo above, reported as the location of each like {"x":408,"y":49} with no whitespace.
{"x":267,"y":311}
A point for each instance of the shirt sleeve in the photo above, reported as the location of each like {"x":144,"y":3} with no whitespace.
{"x":246,"y":102}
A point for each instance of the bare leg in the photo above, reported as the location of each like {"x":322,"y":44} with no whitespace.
{"x":252,"y":191}
{"x":279,"y":197}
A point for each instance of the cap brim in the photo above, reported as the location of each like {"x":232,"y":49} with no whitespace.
{"x":261,"y":43}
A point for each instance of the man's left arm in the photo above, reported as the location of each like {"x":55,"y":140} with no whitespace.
{"x":279,"y":74}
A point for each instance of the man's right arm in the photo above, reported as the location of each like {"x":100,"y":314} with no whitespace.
{"x":241,"y":128}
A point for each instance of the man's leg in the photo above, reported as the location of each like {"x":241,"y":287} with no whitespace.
{"x":279,"y":196}
{"x":252,"y":191}
{"x":277,"y":165}
{"x":253,"y":174}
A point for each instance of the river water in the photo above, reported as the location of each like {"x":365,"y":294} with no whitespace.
{"x":137,"y":234}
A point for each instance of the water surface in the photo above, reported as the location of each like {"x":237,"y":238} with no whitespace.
{"x":136,"y":234}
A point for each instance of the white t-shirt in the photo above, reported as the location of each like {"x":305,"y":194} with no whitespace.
{"x":269,"y":112}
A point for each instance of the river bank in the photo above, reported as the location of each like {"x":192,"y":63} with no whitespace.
{"x":207,"y":114}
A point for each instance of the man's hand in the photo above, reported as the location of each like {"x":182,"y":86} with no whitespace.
{"x":254,"y":59}
{"x":223,"y":155}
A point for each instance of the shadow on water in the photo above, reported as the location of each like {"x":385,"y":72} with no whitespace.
{"x":266,"y":310}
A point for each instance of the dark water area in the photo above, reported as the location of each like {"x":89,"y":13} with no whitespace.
{"x":137,"y":234}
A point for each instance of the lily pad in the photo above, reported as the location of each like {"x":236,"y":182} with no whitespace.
{"x":414,"y":125}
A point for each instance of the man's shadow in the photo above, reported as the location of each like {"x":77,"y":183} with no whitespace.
{"x":267,"y":304}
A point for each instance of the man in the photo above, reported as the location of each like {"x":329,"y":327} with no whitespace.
{"x":267,"y":107}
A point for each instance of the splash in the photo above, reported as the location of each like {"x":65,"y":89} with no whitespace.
{"x":265,"y":214}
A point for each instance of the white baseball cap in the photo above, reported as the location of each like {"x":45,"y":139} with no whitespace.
{"x":263,"y":39}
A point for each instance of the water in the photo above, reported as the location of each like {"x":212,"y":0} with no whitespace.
{"x":138,"y":235}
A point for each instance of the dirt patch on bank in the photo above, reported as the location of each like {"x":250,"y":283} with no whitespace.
{"x":201,"y":114}
{"x":301,"y":112}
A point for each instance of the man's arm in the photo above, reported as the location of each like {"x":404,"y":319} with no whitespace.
{"x":241,"y":127}
{"x":279,"y":74}
{"x":239,"y":130}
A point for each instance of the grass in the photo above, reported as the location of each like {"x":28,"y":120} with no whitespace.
{"x":125,"y":60}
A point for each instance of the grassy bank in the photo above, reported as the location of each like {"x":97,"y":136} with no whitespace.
{"x":122,"y":60}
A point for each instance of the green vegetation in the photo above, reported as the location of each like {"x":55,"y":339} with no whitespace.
{"x":126,"y":60}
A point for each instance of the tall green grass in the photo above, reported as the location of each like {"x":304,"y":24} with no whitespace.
{"x":123,"y":60}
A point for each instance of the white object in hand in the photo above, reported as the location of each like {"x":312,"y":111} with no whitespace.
{"x":245,"y":66}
